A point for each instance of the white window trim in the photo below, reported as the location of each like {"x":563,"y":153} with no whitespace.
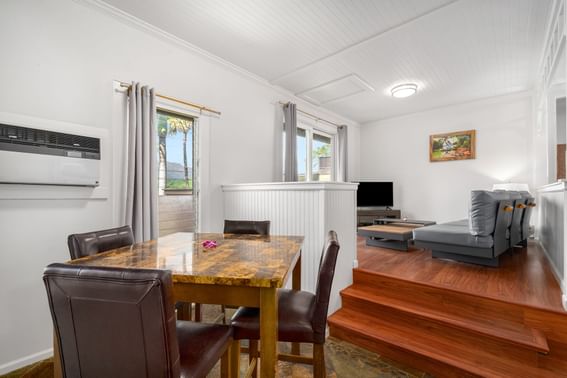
{"x":311,"y":126}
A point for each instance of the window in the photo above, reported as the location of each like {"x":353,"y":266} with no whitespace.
{"x":175,"y":153}
{"x":315,"y":155}
{"x":321,"y":158}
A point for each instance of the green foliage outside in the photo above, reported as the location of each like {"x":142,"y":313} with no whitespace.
{"x":179,"y":184}
{"x":171,"y":125}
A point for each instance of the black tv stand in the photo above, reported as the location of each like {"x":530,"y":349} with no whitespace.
{"x":365,"y":217}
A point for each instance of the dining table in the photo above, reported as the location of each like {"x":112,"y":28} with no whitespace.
{"x":224,"y":269}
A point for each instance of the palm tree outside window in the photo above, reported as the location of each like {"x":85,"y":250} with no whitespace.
{"x":175,"y":153}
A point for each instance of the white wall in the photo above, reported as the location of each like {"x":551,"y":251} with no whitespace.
{"x":397,"y":149}
{"x":59,"y":60}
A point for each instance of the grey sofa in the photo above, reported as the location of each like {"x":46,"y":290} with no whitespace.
{"x":498,"y":221}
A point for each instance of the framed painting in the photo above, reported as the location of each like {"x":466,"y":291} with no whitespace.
{"x":459,"y":145}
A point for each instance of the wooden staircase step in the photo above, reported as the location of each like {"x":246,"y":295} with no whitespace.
{"x":450,"y":300}
{"x":364,"y":298}
{"x":431,"y":348}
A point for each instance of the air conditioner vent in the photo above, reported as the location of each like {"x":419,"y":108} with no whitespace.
{"x":24,"y":139}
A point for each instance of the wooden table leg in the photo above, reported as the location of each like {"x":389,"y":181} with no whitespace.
{"x":57,"y":372}
{"x":225,"y":364}
{"x":235,"y":359}
{"x":198,"y":313}
{"x":296,"y":285}
{"x":268,"y":332}
{"x":296,"y":278}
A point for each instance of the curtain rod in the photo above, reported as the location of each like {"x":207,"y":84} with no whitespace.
{"x":313,"y":116}
{"x":200,"y":107}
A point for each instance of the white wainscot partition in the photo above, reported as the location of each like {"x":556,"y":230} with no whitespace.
{"x":309,"y":209}
{"x":550,"y":229}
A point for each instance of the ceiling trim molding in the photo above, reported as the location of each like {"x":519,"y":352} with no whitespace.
{"x":478,"y":101}
{"x":362,"y":42}
{"x":130,"y":20}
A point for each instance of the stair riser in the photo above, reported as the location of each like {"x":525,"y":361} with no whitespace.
{"x":396,"y":353}
{"x":553,"y":324}
{"x":461,"y":336}
{"x":451,"y":302}
{"x":517,"y":336}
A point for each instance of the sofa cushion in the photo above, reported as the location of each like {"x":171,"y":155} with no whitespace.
{"x":458,"y":223}
{"x":484,"y":207}
{"x":452,"y":234}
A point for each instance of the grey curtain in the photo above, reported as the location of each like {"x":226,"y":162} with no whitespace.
{"x":342,"y":132}
{"x":290,"y":128}
{"x":142,"y":164}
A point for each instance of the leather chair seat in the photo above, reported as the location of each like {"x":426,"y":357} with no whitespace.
{"x":294,"y":318}
{"x":200,"y":345}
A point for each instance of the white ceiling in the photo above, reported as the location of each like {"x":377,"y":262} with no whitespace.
{"x":346,"y":55}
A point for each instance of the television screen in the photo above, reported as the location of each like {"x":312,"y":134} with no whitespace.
{"x":375,"y":194}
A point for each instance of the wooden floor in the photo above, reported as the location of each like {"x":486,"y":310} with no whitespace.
{"x":454,"y":319}
{"x":523,"y":277}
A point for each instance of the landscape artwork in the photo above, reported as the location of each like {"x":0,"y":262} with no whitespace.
{"x":459,"y":145}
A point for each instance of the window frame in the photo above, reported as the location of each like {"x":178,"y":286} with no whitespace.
{"x":313,"y":127}
{"x":184,"y":115}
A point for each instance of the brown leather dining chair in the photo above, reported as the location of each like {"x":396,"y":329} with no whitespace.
{"x":302,"y":316}
{"x":115,"y":322}
{"x":91,"y":243}
{"x":242,"y":227}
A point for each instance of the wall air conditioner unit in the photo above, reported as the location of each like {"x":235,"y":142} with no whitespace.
{"x":33,"y":156}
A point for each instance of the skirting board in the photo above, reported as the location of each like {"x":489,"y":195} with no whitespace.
{"x":25,"y":361}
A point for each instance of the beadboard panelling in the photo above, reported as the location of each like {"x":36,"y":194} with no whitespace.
{"x":304,"y":209}
{"x":552,"y":214}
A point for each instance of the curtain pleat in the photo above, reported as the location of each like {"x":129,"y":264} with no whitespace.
{"x":142,"y":165}
{"x":342,"y":137}
{"x":290,"y":128}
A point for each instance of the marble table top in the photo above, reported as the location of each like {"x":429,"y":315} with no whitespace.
{"x":238,"y":260}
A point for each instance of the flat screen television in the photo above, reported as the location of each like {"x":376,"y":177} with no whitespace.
{"x":375,"y":194}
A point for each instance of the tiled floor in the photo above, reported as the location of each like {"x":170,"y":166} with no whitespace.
{"x":342,"y":360}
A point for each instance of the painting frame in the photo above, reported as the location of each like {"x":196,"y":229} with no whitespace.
{"x":457,"y":145}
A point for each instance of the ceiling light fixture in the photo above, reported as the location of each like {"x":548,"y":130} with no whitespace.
{"x":404,"y":90}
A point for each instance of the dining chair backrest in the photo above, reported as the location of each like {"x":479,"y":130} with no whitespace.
{"x":113,"y":322}
{"x":91,"y":243}
{"x":324,"y":284}
{"x":247,"y":227}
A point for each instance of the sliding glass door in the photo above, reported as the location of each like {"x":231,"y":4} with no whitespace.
{"x":177,"y":178}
